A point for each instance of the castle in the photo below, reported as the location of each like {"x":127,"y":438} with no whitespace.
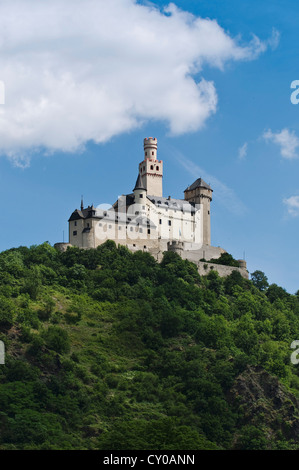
{"x":145,"y":220}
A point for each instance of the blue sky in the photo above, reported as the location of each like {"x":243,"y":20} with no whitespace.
{"x":88,"y":82}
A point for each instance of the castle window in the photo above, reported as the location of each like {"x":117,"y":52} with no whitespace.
{"x":140,"y":230}
{"x":209,"y":212}
{"x":169,"y":222}
{"x":157,"y":168}
{"x":160,"y":221}
{"x":75,"y":223}
{"x":153,"y":153}
{"x":119,"y":228}
{"x":146,"y":154}
{"x":75,"y":233}
{"x":141,"y":195}
{"x":131,"y":229}
{"x":143,"y":207}
{"x":152,"y":167}
{"x":148,"y":231}
{"x":87,"y":224}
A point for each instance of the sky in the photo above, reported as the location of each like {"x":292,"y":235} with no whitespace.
{"x":83,"y":82}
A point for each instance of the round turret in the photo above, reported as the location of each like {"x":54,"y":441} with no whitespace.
{"x":242,"y":263}
{"x":150,"y":145}
{"x":176,"y":247}
{"x":62,"y":246}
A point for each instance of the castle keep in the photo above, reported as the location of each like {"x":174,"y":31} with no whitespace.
{"x":145,"y":220}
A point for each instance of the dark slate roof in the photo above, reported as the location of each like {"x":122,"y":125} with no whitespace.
{"x":199,"y":183}
{"x":119,"y":216}
{"x":87,"y":213}
{"x":139,"y":183}
{"x":130,"y":199}
{"x":173,"y":204}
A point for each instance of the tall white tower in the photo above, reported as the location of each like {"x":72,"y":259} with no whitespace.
{"x":151,"y":169}
{"x":201,"y":193}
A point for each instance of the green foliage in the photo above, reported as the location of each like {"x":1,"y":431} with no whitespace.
{"x":108,"y":349}
{"x":6,"y":312}
{"x":160,"y":434}
{"x":259,"y":280}
{"x":227,"y":259}
{"x":57,"y":339}
{"x":252,"y":438}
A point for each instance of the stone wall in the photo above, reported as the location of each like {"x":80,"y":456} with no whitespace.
{"x":207,"y":252}
{"x":157,"y":252}
{"x":61,"y":246}
{"x":223,"y":271}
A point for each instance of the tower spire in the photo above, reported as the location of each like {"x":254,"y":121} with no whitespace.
{"x":139,"y":184}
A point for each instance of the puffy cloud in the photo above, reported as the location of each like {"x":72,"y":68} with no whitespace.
{"x":91,"y":69}
{"x":292,"y":204}
{"x":286,"y":140}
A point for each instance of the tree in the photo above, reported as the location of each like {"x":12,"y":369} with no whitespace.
{"x":275,"y":292}
{"x":259,"y":280}
{"x":251,"y":438}
{"x":57,"y":339}
{"x":227,"y":259}
{"x":6,"y":312}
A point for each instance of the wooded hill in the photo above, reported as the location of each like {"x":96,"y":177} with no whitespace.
{"x":107,"y":349}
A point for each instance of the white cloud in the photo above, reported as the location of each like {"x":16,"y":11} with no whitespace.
{"x":242,"y":152}
{"x":91,"y":69}
{"x":292,"y":204}
{"x":286,"y":140}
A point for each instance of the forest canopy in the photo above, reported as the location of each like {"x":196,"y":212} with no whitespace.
{"x":108,"y":349}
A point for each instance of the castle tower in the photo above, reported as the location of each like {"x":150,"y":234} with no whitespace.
{"x":139,"y":190}
{"x":151,"y":169}
{"x":201,"y":193}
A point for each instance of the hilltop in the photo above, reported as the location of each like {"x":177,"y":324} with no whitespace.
{"x":109,"y":349}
